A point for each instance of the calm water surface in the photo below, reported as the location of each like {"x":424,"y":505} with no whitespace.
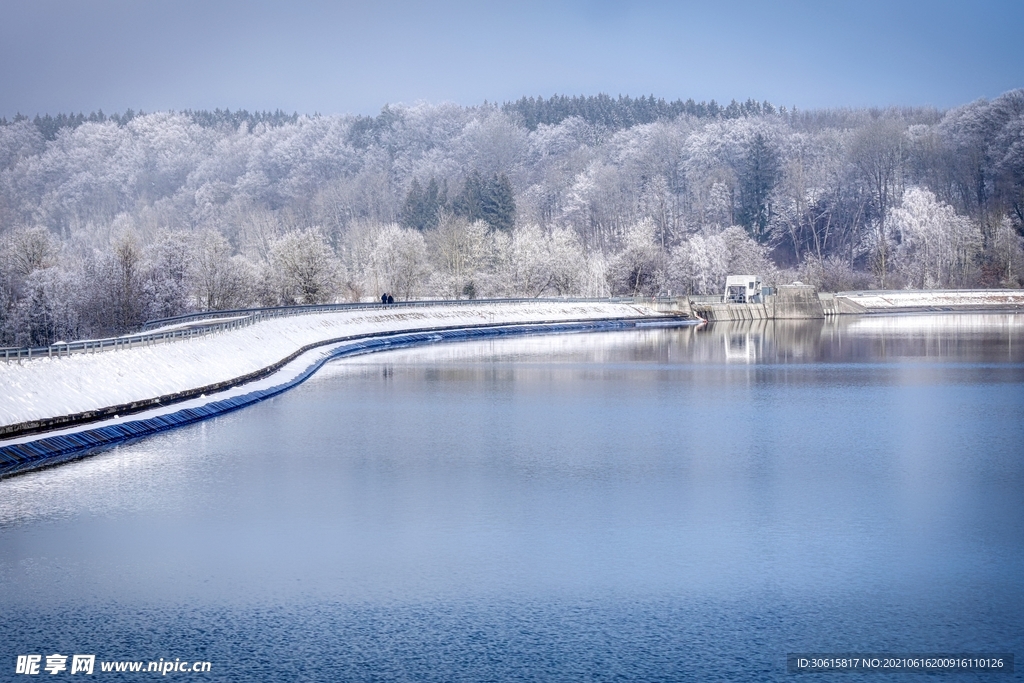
{"x":657,"y":505}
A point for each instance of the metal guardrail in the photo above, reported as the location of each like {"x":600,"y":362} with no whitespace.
{"x":277,"y":311}
{"x":705,"y":298}
{"x":117,"y":343}
{"x":237,"y":318}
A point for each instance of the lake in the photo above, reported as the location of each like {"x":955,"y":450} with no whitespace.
{"x":653,"y":505}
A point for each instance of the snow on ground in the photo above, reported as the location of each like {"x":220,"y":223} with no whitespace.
{"x":282,"y":377}
{"x":953,"y":297}
{"x":50,"y":387}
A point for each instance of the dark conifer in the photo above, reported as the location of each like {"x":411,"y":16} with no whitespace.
{"x":422,"y":208}
{"x":412,"y":210}
{"x":758,"y":177}
{"x":469,"y":203}
{"x":499,"y":204}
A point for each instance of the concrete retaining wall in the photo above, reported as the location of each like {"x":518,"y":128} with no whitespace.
{"x":795,"y":302}
{"x":679,"y":305}
{"x":835,"y":304}
{"x":802,"y":302}
{"x":938,"y":300}
{"x":790,"y":302}
{"x":719,"y":311}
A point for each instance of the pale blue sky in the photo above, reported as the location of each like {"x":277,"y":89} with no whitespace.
{"x":353,"y":57}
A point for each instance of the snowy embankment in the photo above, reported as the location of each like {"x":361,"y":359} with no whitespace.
{"x":44,"y":388}
{"x":950,"y":299}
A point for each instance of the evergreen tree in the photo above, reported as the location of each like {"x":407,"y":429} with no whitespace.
{"x":469,"y":203}
{"x":624,"y":111}
{"x":758,"y":177}
{"x":499,"y":204}
{"x":435,"y":199}
{"x":412,"y":210}
{"x":422,"y":207}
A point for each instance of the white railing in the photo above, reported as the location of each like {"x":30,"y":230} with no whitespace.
{"x":202,"y":324}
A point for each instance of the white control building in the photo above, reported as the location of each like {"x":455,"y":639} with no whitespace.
{"x":743,"y":289}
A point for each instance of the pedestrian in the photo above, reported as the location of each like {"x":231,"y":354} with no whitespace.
{"x":384,"y":298}
{"x":391,"y":299}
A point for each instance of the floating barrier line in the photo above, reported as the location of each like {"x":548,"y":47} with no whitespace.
{"x":47,"y":451}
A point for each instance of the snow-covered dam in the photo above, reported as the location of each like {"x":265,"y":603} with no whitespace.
{"x":56,"y":407}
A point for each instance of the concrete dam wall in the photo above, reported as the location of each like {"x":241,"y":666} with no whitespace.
{"x":803,"y":302}
{"x":790,"y":302}
{"x":922,"y":301}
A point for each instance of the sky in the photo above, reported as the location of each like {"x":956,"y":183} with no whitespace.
{"x":348,"y":57}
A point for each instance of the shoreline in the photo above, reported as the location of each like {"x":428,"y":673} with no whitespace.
{"x":61,"y":438}
{"x":211,"y":359}
{"x":213,"y":374}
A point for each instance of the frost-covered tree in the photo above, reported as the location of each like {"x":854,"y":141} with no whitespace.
{"x":570,"y":267}
{"x":304,"y":267}
{"x":701,"y":263}
{"x":937,"y":247}
{"x":531,"y":263}
{"x":458,"y":252}
{"x":125,"y":275}
{"x":1008,"y":255}
{"x":31,"y":250}
{"x":221,"y":280}
{"x":878,"y":152}
{"x":832,"y":274}
{"x":639,"y":269}
{"x":24,"y":295}
{"x":48,"y":309}
{"x":171,"y":270}
{"x":114,"y":291}
{"x":383,"y":258}
{"x":819,"y":188}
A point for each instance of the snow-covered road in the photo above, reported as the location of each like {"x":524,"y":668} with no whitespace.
{"x":44,"y":388}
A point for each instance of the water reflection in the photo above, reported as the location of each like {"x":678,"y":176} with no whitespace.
{"x":961,"y":337}
{"x":573,"y":507}
{"x":965,"y":338}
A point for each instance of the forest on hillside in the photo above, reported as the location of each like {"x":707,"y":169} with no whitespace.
{"x":107,"y":221}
